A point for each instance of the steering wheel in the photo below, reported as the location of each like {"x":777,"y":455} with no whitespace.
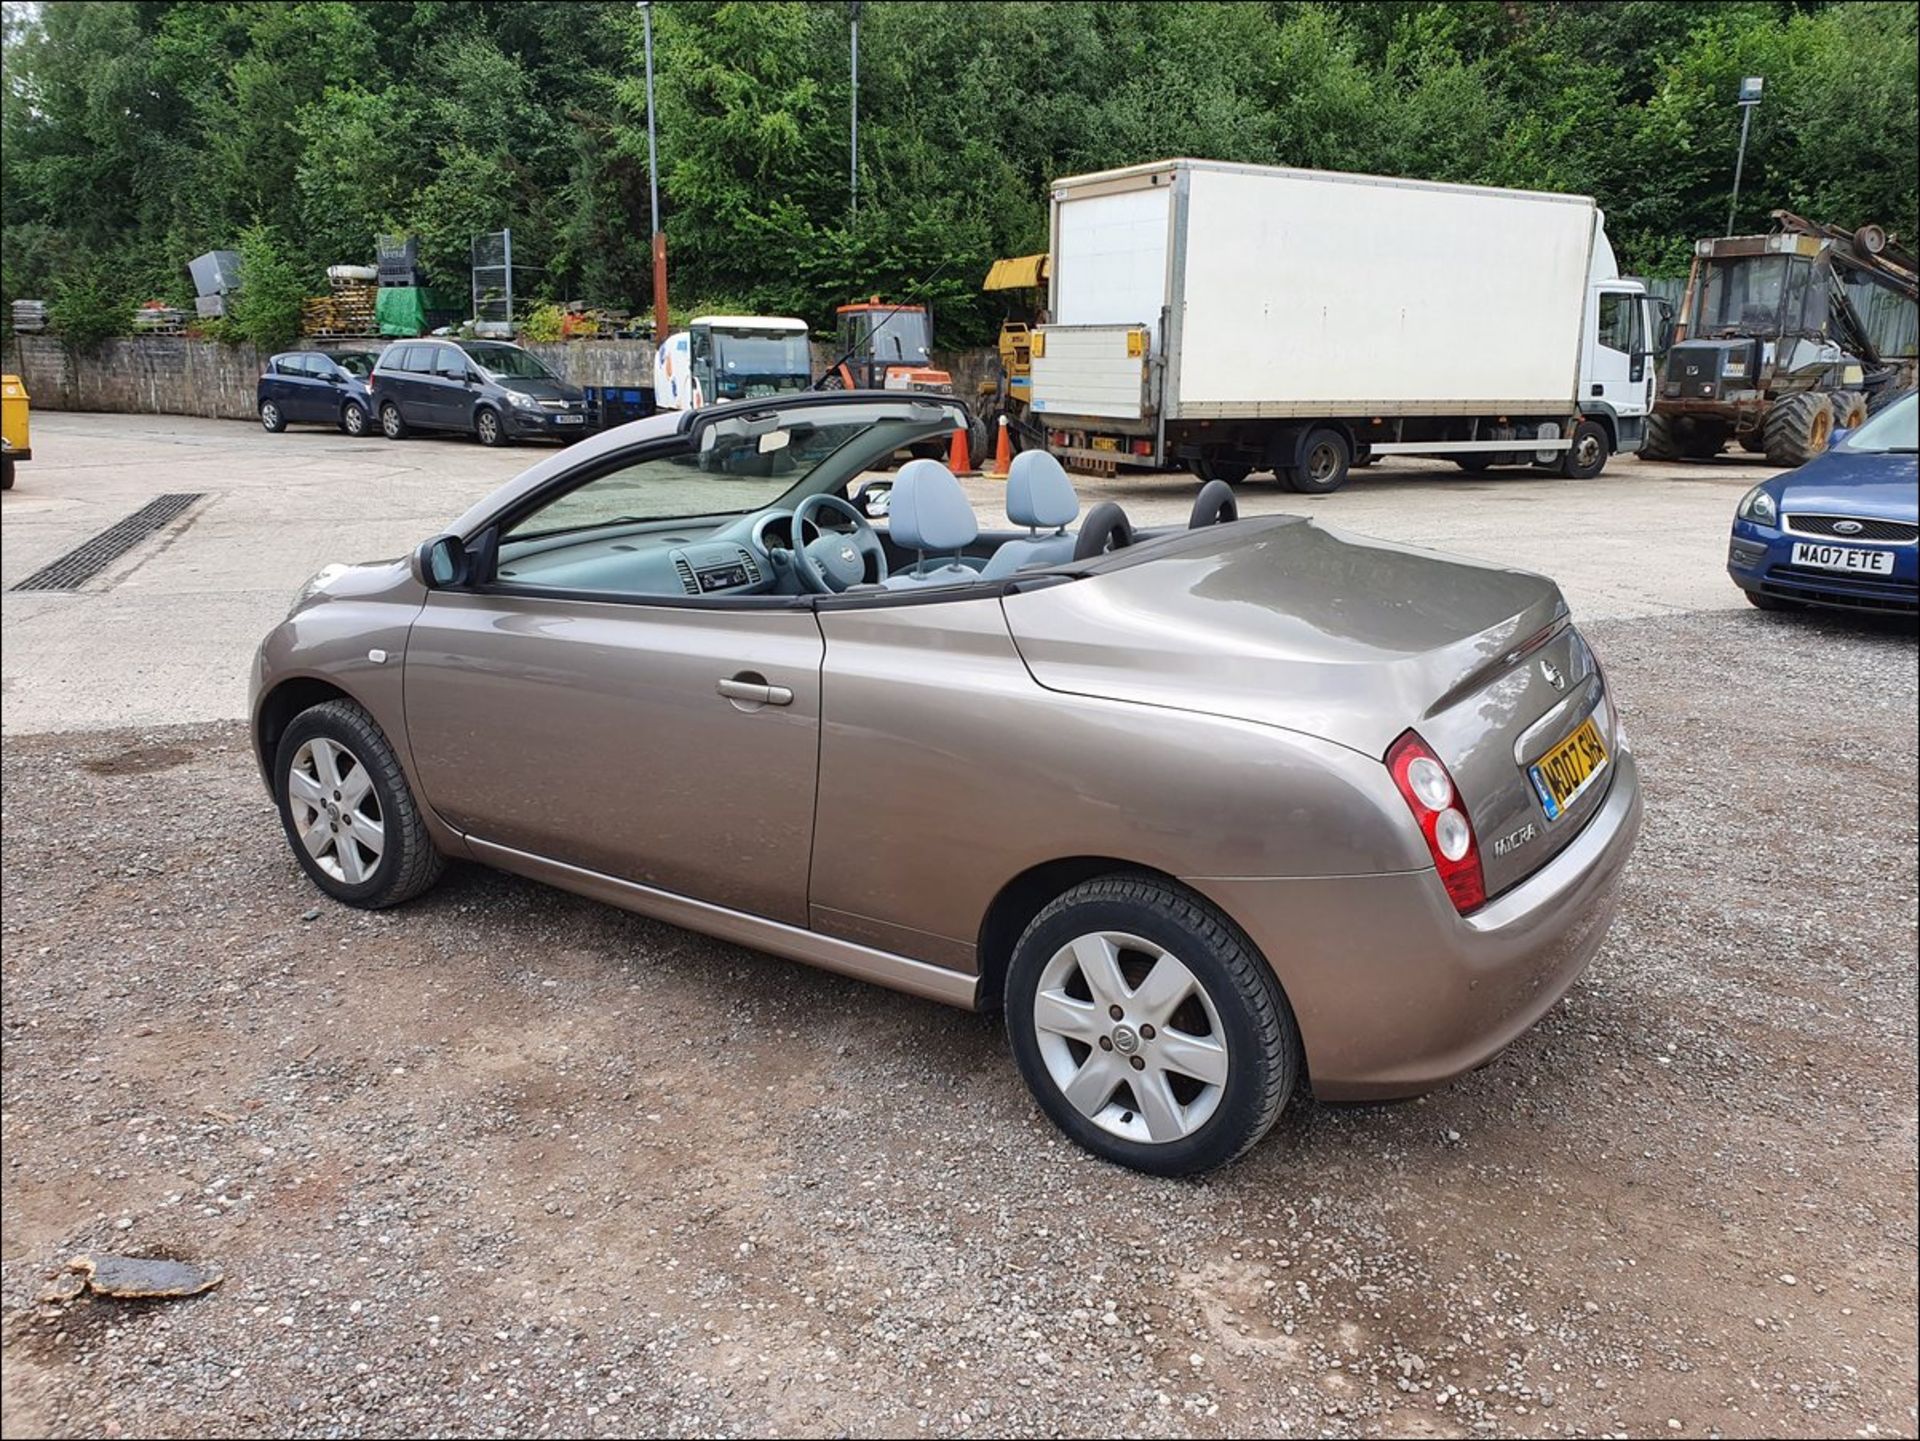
{"x":831,"y":562}
{"x":1105,"y":528}
{"x":1215,"y":505}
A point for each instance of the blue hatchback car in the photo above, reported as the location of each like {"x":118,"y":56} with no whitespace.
{"x":319,"y":387}
{"x":1840,"y":530}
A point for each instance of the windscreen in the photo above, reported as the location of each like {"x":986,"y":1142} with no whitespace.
{"x":898,"y":336}
{"x":1894,"y":431}
{"x":749,"y":364}
{"x":1744,"y":295}
{"x":509,"y":360}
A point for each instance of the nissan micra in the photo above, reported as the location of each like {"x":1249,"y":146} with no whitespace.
{"x":1214,"y":812}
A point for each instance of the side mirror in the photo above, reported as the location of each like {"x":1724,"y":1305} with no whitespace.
{"x":874,"y":500}
{"x":441,"y":563}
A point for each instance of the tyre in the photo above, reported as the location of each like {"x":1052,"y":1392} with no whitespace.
{"x":1474,"y":464}
{"x":1769,"y":602}
{"x":6,"y":473}
{"x":1148,"y":1028}
{"x":348,"y":812}
{"x":1798,"y":428}
{"x":488,"y":428}
{"x":1325,"y":458}
{"x":271,"y":419}
{"x":1660,"y":443}
{"x":1752,"y":442}
{"x":1701,"y":439}
{"x":1587,"y":452}
{"x":393,"y":424}
{"x":1849,"y":409}
{"x":353,"y":419}
{"x":1230,"y":471}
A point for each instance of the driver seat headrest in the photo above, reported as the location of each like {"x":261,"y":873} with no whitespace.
{"x":1039,"y":493}
{"x":928,"y":511}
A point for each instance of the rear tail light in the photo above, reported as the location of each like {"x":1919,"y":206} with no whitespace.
{"x":1436,"y":804}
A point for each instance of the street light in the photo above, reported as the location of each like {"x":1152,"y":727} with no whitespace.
{"x":660,"y":322}
{"x":1749,"y":98}
{"x":853,"y":142}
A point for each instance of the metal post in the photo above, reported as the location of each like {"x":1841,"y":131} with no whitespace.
{"x":853,"y":162}
{"x":660,"y":320}
{"x":1749,"y":98}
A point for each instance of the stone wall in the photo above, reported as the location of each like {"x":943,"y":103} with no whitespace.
{"x":176,"y":375}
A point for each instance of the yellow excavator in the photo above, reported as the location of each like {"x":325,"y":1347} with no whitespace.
{"x":1008,"y":391}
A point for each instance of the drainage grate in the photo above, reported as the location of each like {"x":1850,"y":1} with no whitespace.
{"x":88,"y":559}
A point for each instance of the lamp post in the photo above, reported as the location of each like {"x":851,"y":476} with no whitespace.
{"x":1749,"y":98}
{"x":660,"y":321}
{"x":853,"y":139}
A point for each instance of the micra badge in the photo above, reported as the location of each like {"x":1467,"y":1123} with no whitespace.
{"x":1507,"y":844}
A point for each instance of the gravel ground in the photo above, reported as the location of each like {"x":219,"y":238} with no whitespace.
{"x":509,"y":1161}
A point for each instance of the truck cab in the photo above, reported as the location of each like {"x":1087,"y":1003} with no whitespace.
{"x":731,"y":357}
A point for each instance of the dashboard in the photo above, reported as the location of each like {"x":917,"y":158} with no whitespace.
{"x":750,"y":555}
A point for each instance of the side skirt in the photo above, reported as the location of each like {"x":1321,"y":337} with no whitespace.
{"x":882,"y":968}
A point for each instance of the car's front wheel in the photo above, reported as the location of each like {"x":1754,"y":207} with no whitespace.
{"x":487,"y":428}
{"x":1148,"y":1028}
{"x":353,"y":419}
{"x":348,"y":812}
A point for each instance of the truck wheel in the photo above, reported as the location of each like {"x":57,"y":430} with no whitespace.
{"x":1798,"y":428}
{"x":1324,"y":462}
{"x":1660,"y":443}
{"x":1230,"y":472}
{"x":1587,"y":453}
{"x":1849,"y":409}
{"x":1701,"y":439}
{"x":6,"y":473}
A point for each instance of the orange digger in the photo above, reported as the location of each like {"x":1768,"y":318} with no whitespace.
{"x":888,"y":347}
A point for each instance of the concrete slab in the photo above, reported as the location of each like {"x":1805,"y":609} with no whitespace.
{"x":167,"y":633}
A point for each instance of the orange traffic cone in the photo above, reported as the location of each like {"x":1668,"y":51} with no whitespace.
{"x":1002,"y":454}
{"x":958,"y":461}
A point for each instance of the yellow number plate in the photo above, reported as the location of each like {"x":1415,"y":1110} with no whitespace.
{"x":1569,"y":768}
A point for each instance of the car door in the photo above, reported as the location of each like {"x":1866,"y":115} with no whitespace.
{"x":277,"y":384}
{"x":308,"y":392}
{"x":451,"y":403}
{"x":1617,"y":356}
{"x":663,"y":739}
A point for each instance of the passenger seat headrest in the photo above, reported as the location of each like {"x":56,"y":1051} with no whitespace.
{"x":1038,"y":491}
{"x":928,"y":510}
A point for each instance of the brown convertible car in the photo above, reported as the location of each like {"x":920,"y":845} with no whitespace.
{"x":1214,"y":812}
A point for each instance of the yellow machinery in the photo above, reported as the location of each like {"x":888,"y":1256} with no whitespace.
{"x":13,"y":427}
{"x":1011,"y":389}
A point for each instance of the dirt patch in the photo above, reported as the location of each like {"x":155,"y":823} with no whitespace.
{"x":138,"y":761}
{"x":505,"y":1160}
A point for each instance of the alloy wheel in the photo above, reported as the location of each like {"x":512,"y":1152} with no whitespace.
{"x":391,"y":421}
{"x":1131,"y":1037}
{"x":270,"y":415}
{"x":354,"y":420}
{"x":336,"y":811}
{"x":486,"y":426}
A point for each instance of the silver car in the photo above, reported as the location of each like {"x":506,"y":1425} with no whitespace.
{"x":1213,"y":812}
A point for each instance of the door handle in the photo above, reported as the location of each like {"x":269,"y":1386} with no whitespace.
{"x":752,"y":690}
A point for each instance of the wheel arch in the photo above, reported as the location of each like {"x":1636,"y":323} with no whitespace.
{"x":279,"y":706}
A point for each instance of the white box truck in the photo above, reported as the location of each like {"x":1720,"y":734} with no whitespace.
{"x":1236,"y":318}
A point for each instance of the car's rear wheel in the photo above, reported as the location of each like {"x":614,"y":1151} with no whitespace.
{"x":1148,"y":1028}
{"x":271,"y":418}
{"x":393,"y":424}
{"x":353,"y":418}
{"x":347,"y":810}
{"x":487,"y":428}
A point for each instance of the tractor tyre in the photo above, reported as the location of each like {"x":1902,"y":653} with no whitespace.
{"x":1798,"y":428}
{"x":1849,"y":409}
{"x":1659,"y":444}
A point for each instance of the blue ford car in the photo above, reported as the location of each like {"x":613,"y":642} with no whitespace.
{"x":1840,"y":530}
